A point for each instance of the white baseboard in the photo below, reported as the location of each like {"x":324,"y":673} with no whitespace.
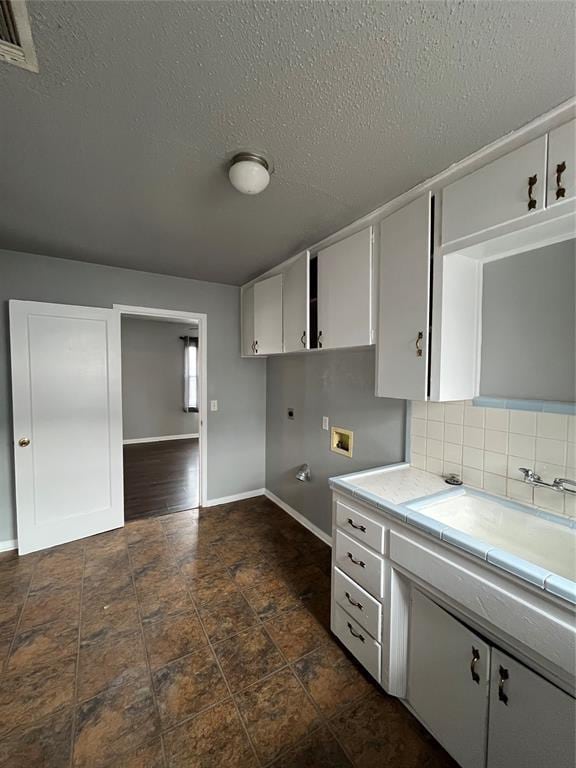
{"x":161,"y":439}
{"x":6,"y":546}
{"x":235,"y":497}
{"x":299,"y":517}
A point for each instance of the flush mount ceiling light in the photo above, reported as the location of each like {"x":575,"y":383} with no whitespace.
{"x":249,"y":173}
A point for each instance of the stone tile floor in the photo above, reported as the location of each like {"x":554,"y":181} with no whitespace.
{"x":199,"y":638}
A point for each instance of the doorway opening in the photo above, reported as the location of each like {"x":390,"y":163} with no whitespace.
{"x":164,"y":406}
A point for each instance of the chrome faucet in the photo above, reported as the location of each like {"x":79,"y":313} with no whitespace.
{"x":561,"y":482}
{"x":558,"y":484}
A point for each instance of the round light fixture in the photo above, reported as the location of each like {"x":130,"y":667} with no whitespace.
{"x":249,"y":173}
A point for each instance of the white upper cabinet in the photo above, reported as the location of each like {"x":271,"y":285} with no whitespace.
{"x":562,"y":164}
{"x":296,"y":305}
{"x":404,"y":292}
{"x":268,"y":316}
{"x":531,"y":721}
{"x":345,"y":282}
{"x":506,"y":189}
{"x":247,"y":301}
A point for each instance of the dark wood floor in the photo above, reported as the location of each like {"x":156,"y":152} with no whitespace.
{"x":160,"y":478}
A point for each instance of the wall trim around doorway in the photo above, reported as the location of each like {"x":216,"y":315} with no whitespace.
{"x":176,"y":315}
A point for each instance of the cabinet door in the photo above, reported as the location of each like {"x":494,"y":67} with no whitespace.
{"x":404,"y":282}
{"x":268,"y":316}
{"x":248,"y":321}
{"x":532,"y":723}
{"x":296,"y":305}
{"x":448,"y":680}
{"x":496,"y":193}
{"x":345,"y":292}
{"x":562,"y":163}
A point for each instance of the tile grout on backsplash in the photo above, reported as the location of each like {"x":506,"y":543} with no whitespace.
{"x":486,"y":446}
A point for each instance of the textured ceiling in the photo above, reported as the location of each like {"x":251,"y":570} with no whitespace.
{"x":115,"y":153}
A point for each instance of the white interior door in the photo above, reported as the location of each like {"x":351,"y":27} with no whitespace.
{"x":268,"y":315}
{"x":67,"y":402}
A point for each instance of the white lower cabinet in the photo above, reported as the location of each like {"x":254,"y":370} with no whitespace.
{"x":448,"y":681}
{"x":483,"y":706}
{"x":532,"y":722}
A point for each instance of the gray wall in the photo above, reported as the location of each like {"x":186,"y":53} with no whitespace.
{"x":153,"y":379}
{"x":529,"y":325}
{"x":236,"y":444}
{"x":340,"y":385}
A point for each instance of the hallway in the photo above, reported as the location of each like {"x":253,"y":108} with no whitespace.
{"x":160,"y":478}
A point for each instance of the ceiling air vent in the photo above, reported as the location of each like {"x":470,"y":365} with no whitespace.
{"x":16,"y":46}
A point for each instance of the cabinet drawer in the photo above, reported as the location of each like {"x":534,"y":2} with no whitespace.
{"x":357,"y":640}
{"x":360,"y":564}
{"x":356,"y":524}
{"x":358,"y":603}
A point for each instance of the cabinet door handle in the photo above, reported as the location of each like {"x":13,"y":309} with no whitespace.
{"x":560,"y":190}
{"x":357,"y":635}
{"x":357,"y":527}
{"x":253,"y":351}
{"x":353,"y":602}
{"x":532,"y":202}
{"x":361,"y":563}
{"x":319,"y":342}
{"x":303,"y":339}
{"x":256,"y":347}
{"x":503,"y":675}
{"x":418,"y":344}
{"x":475,"y":660}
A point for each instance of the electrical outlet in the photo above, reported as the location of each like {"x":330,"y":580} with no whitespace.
{"x":325,"y":422}
{"x":213,"y":405}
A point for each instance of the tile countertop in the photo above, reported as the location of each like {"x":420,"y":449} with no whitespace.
{"x":489,"y":527}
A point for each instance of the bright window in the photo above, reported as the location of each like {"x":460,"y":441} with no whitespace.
{"x":190,"y":374}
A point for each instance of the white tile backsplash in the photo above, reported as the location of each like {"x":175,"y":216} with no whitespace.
{"x":523,"y":422}
{"x":454,"y":433}
{"x":473,"y":457}
{"x":550,"y":450}
{"x":496,"y":441}
{"x":419,"y":427}
{"x":474,"y":437}
{"x":522,"y":445}
{"x":485,"y":446}
{"x":496,"y":418}
{"x":552,"y":425}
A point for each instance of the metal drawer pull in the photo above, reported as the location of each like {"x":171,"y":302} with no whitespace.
{"x":531,"y":184}
{"x":303,"y":339}
{"x":353,"y":602}
{"x":358,"y":527}
{"x":560,"y":190}
{"x":357,"y":635}
{"x":475,"y":660}
{"x":503,"y":675}
{"x":361,"y":563}
{"x":256,"y":347}
{"x":319,"y":340}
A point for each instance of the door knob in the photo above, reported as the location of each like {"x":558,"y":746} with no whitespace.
{"x":23,"y":442}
